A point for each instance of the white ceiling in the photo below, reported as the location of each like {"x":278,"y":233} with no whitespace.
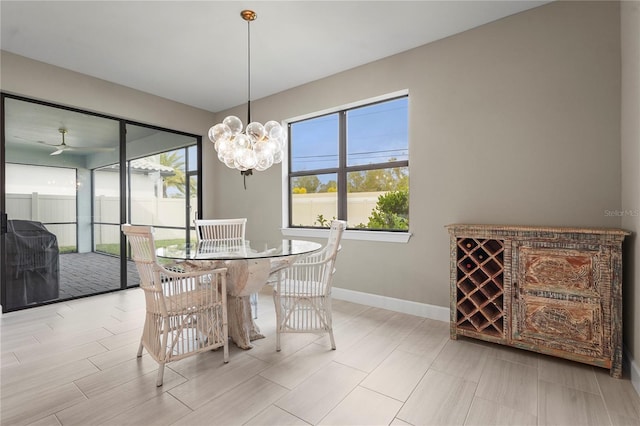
{"x":195,"y":52}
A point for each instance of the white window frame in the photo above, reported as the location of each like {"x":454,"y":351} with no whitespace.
{"x":364,"y":235}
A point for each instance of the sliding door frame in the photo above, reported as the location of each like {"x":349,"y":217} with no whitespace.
{"x":124,"y":196}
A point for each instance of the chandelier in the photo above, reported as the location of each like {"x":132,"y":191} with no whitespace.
{"x":259,"y":146}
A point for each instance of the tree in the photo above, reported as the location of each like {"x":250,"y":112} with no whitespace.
{"x":178,"y":179}
{"x":391,"y":211}
{"x":331,"y":186}
{"x":310,"y":183}
{"x":378,"y":180}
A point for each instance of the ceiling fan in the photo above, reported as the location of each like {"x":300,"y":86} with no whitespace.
{"x":62,"y":147}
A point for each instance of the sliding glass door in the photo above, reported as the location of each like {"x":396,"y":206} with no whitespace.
{"x":69,"y":180}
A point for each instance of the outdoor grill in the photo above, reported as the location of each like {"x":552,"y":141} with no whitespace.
{"x":32,"y":262}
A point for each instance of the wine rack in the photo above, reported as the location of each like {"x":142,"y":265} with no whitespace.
{"x":479,"y":286}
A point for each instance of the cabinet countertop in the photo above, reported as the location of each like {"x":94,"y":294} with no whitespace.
{"x":495,"y":229}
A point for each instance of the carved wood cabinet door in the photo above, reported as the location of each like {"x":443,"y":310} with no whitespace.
{"x":561,"y":297}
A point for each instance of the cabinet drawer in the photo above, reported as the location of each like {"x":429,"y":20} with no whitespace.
{"x":566,"y":325}
{"x":558,"y":270}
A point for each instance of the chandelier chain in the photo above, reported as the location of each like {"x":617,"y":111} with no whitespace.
{"x":248,"y":71}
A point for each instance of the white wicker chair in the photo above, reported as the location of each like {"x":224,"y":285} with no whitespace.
{"x":302,"y":292}
{"x":225,"y":230}
{"x":220,"y":229}
{"x":186,"y":311}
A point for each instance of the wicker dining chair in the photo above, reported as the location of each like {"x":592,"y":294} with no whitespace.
{"x":302,"y":291}
{"x":186,"y":312}
{"x":220,"y":229}
{"x":225,"y":230}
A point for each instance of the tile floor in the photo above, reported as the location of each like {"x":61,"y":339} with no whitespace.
{"x":74,"y":363}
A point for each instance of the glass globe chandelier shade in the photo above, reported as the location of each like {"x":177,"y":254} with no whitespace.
{"x":259,"y":146}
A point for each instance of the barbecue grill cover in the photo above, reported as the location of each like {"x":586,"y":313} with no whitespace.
{"x":33,"y":270}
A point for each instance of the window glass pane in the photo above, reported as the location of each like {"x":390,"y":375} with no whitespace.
{"x":107,"y":240}
{"x":158,"y":185}
{"x":66,"y":235}
{"x":314,"y":200}
{"x":172,"y":202}
{"x":378,"y":133}
{"x":106,"y":190}
{"x":314,"y":143}
{"x":378,"y":199}
{"x":193,"y":158}
{"x":106,"y":226}
{"x":193,"y":199}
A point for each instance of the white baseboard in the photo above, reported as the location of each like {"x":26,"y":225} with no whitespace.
{"x":634,"y":370}
{"x":397,"y":305}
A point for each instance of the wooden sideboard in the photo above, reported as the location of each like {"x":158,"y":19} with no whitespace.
{"x":556,"y":291}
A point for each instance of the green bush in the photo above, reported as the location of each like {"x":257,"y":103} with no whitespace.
{"x":391,"y":211}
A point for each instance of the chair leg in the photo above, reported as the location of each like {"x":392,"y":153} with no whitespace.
{"x":278,"y":307}
{"x":278,"y":332}
{"x":276,"y":302}
{"x":329,"y":320}
{"x":333,"y":341}
{"x":140,"y":349}
{"x":160,"y":375}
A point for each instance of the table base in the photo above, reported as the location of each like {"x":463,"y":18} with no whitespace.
{"x":242,"y":327}
{"x":243,"y":278}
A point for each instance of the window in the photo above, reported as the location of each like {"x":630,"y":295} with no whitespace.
{"x":351,"y":164}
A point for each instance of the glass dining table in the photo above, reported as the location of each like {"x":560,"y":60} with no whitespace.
{"x":249,"y":265}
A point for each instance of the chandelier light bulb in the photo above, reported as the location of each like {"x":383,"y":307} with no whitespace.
{"x":259,"y":147}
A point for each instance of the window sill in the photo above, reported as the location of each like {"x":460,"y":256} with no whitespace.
{"x":387,"y":237}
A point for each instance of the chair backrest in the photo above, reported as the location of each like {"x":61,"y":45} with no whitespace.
{"x":335,"y":235}
{"x":220,"y":229}
{"x":317,"y":267}
{"x":143,"y":251}
{"x":332,"y":246}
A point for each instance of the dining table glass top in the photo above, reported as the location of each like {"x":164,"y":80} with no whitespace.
{"x":237,"y":249}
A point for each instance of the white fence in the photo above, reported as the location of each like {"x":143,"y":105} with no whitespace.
{"x":307,"y":207}
{"x":62,"y":208}
{"x":163,"y":212}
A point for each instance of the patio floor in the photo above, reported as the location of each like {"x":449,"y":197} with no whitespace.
{"x":82,"y":274}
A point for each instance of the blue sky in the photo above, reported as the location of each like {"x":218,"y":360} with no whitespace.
{"x":375,"y":133}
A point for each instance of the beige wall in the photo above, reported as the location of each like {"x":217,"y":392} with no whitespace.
{"x":630,"y":40}
{"x":515,"y":122}
{"x":37,"y":80}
